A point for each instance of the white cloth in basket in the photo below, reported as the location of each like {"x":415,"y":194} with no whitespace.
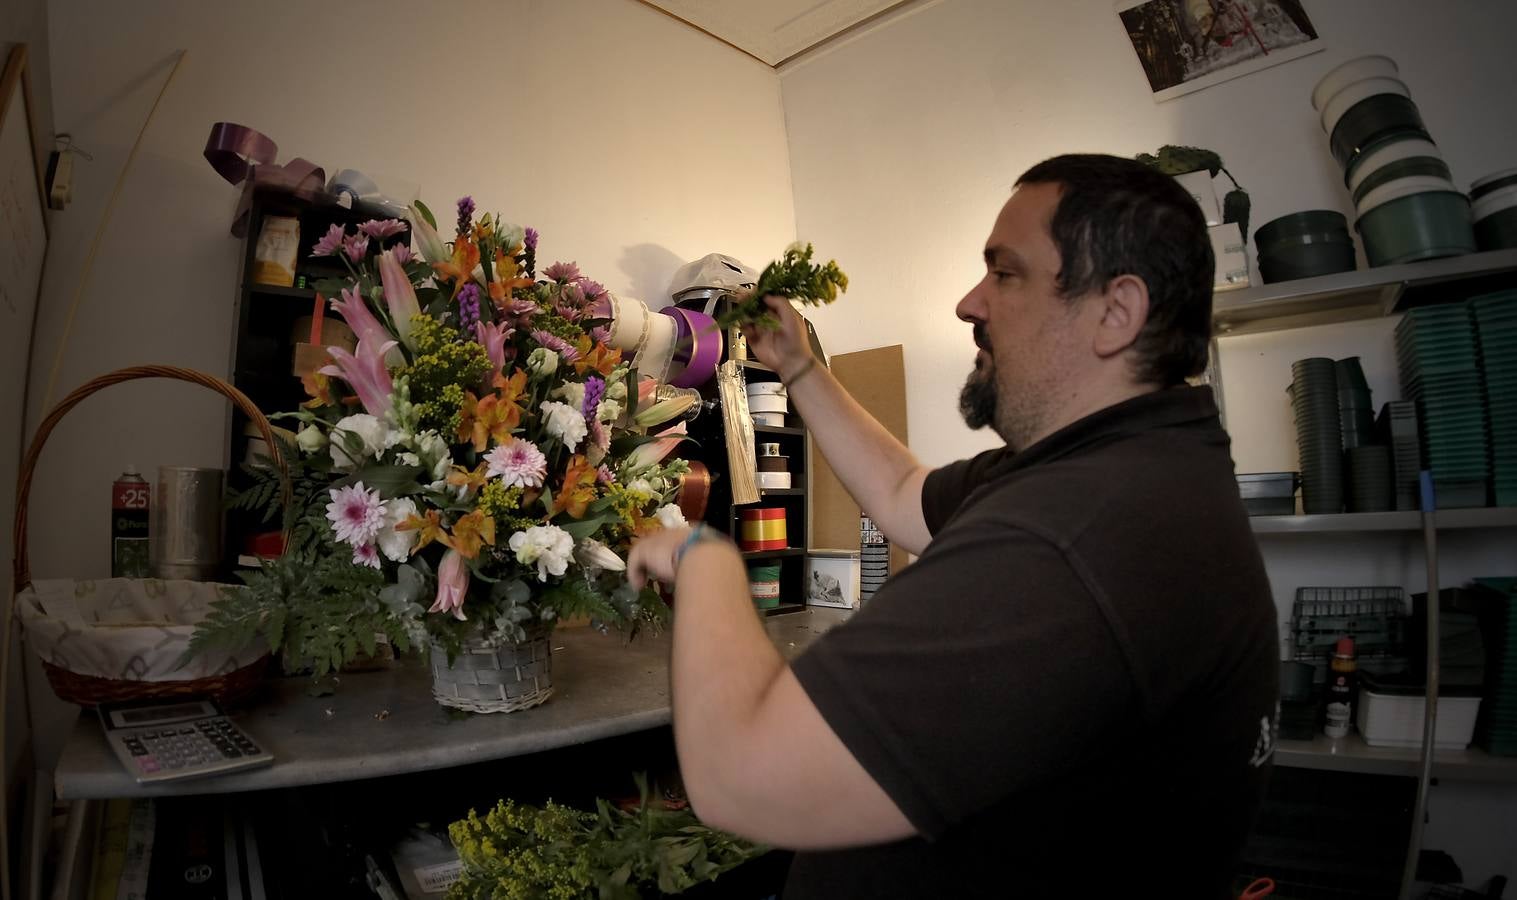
{"x":125,"y":628}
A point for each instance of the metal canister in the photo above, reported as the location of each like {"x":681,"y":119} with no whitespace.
{"x":187,"y":519}
{"x":129,"y":525}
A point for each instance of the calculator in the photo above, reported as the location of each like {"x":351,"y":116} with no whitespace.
{"x":170,"y":740}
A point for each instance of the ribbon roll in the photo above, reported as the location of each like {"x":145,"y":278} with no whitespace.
{"x":697,"y":347}
{"x":244,"y":155}
{"x":695,"y":492}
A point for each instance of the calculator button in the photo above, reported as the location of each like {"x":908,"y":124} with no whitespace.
{"x":186,"y":731}
{"x":148,"y":764}
{"x":230,"y":752}
{"x":138,"y":750}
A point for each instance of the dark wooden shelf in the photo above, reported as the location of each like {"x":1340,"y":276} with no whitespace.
{"x":773,"y":554}
{"x":277,"y":291}
{"x":776,"y":429}
{"x":782,"y":492}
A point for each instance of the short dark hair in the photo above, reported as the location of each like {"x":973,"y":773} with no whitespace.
{"x":1119,"y":217}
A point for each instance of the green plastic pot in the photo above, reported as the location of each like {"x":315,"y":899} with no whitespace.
{"x":1496,"y":219}
{"x":1404,"y":168}
{"x":1373,"y":119}
{"x":1307,"y":256}
{"x":1311,"y":221}
{"x":1413,"y":219}
{"x":1492,"y":182}
{"x":1384,"y":151}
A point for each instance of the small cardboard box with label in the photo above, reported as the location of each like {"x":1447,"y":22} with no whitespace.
{"x":832,"y":578}
{"x":1232,"y":257}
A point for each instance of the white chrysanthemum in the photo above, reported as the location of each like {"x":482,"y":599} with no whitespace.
{"x":397,"y":545}
{"x":548,"y":546}
{"x":608,"y":411}
{"x":356,"y":514}
{"x":564,"y":422}
{"x":572,"y":393}
{"x":640,"y":486}
{"x":670,"y":516}
{"x":371,"y":431}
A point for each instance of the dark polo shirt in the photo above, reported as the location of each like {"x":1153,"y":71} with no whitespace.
{"x":1072,"y":692}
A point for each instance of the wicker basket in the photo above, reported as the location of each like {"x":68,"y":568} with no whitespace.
{"x":94,"y":673}
{"x":488,"y":679}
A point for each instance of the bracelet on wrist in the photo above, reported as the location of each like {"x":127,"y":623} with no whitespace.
{"x":801,"y":372}
{"x":697,"y":534}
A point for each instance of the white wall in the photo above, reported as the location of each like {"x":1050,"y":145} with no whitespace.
{"x":905,"y":141}
{"x":632,"y":142}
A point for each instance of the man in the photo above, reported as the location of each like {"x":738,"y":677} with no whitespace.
{"x":1071,"y":692}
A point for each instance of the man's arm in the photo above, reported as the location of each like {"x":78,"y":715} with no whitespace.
{"x":878,"y":470}
{"x":756,"y":756}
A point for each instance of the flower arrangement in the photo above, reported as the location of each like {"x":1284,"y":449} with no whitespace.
{"x":476,"y":468}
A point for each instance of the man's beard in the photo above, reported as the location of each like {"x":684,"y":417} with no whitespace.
{"x":977,"y":401}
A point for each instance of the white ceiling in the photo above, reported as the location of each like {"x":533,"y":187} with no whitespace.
{"x":774,"y":30}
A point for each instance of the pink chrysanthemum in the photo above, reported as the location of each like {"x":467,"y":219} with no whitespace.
{"x":566,"y":351}
{"x":600,"y":334}
{"x":330,"y":242}
{"x":402,"y":253}
{"x":379,"y":229}
{"x":604,"y":475}
{"x":591,"y":289}
{"x":356,"y":246}
{"x":356,"y":514}
{"x":517,"y":463}
{"x":562,"y":272}
{"x":366,"y":555}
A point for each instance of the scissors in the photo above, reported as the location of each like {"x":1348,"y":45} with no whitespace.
{"x":1260,"y":887}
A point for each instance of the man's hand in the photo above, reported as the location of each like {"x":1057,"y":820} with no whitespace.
{"x":652,"y":557}
{"x":786,"y":349}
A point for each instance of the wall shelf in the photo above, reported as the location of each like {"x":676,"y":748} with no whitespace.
{"x":777,"y":429}
{"x":1352,"y":754}
{"x":1492,"y":517}
{"x":773,"y":554}
{"x":1362,"y":294}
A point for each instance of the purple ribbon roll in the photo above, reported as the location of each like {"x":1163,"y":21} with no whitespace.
{"x":697,"y":346}
{"x":242,"y":154}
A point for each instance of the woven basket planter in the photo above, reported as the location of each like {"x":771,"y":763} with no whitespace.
{"x":487,"y":679}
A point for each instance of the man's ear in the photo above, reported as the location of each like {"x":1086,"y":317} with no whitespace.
{"x":1124,"y":312}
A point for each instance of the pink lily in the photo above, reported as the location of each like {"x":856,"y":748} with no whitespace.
{"x":493,"y":335}
{"x":365,"y":373}
{"x":433,"y":250}
{"x":452,"y":585}
{"x":354,"y":310}
{"x":400,"y":294}
{"x":653,"y":452}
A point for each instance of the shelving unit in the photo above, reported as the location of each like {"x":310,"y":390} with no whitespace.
{"x":1491,"y":517}
{"x":1362,"y":294}
{"x":1344,"y":297}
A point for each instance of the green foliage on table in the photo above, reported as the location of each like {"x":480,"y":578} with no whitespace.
{"x":793,"y":276}
{"x":325,"y":633}
{"x":520,"y":852}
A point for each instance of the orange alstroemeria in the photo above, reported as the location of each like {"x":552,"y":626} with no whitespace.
{"x":318,"y":387}
{"x":602,"y":358}
{"x":469,"y":481}
{"x":470,"y":533}
{"x":460,"y":268}
{"x":508,"y":277}
{"x":578,"y":489}
{"x":494,"y":416}
{"x":428,"y":528}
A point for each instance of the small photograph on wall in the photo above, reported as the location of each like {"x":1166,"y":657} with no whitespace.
{"x":1187,"y":45}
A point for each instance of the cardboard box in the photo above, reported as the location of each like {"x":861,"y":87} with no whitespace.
{"x":832,"y":578}
{"x":1232,"y":257}
{"x":1199,"y":186}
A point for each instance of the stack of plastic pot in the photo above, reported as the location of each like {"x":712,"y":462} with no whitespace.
{"x":1495,"y":201}
{"x":1405,"y":200}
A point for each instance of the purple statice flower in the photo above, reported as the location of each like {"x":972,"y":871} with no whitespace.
{"x":465,"y":214}
{"x":600,"y":334}
{"x":529,"y":239}
{"x":330,"y":242}
{"x":379,"y":229}
{"x":595,"y":392}
{"x":356,"y":246}
{"x":402,"y":253}
{"x":562,"y":272}
{"x":468,"y":306}
{"x":566,"y":351}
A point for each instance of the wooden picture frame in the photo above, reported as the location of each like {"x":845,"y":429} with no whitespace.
{"x":1187,"y":45}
